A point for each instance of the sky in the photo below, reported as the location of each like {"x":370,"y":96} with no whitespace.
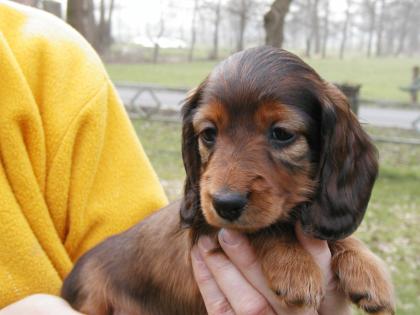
{"x":132,"y":18}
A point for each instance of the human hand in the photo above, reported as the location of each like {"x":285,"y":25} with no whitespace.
{"x":233,"y":282}
{"x":39,"y":304}
{"x":334,"y":301}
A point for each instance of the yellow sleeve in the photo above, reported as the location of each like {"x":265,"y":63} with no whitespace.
{"x":72,"y":171}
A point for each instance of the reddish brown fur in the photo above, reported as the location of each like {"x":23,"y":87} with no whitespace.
{"x":242,"y":165}
{"x":322,"y":177}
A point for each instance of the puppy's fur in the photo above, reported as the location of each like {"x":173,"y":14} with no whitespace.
{"x":265,"y":127}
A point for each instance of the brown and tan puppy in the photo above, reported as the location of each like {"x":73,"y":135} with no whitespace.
{"x":265,"y":142}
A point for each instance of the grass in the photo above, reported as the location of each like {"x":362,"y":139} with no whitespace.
{"x":390,"y":227}
{"x":380,"y":77}
{"x":170,"y":74}
{"x":391,"y":223}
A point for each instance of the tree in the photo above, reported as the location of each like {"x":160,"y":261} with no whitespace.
{"x":155,"y":38}
{"x":345,"y":29}
{"x":380,"y":27}
{"x":242,"y":9}
{"x":215,"y":9}
{"x":193,"y":31}
{"x":103,"y":38}
{"x":274,"y":22}
{"x":406,"y":11}
{"x":309,"y":28}
{"x":315,"y":26}
{"x":369,"y":7}
{"x":80,"y":15}
{"x":326,"y":26}
{"x":413,"y":42}
{"x":32,"y":3}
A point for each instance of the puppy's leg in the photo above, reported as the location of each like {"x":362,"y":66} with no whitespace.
{"x":362,"y":276}
{"x":290,"y":269}
{"x":85,"y":289}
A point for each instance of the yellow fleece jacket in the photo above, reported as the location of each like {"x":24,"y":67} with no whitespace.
{"x":72,"y":171}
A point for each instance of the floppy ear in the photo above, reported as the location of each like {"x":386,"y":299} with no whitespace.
{"x":348,"y":168}
{"x":191,"y":206}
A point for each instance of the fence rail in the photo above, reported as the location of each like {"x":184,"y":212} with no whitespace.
{"x":388,"y":103}
{"x":153,"y":101}
{"x":147,"y":100}
{"x":409,"y":141}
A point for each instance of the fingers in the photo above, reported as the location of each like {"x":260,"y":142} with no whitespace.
{"x":237,"y":248}
{"x":214,"y":300}
{"x":334,"y":301}
{"x":235,"y":284}
{"x":39,"y":304}
{"x":223,"y":279}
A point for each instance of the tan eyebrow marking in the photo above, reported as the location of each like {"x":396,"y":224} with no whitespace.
{"x":213,"y":113}
{"x":281,"y":115}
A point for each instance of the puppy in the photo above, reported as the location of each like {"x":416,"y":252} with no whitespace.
{"x":265,"y":142}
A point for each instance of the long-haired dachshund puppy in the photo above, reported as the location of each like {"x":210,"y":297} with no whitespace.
{"x":265,"y":142}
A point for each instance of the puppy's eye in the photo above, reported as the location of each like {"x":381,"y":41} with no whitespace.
{"x":208,"y":135}
{"x":281,"y":136}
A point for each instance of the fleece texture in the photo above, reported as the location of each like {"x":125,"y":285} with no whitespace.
{"x":72,"y":171}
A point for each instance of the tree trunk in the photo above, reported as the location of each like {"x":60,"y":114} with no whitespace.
{"x":103,"y":36}
{"x":80,"y":15}
{"x":242,"y":25}
{"x":32,"y":3}
{"x":214,"y":55}
{"x":156,"y":49}
{"x":101,"y":29}
{"x":308,"y":46}
{"x":315,"y":27}
{"x":193,"y":31}
{"x":309,"y":29}
{"x":372,"y":21}
{"x":413,"y":43}
{"x":345,"y":30}
{"x":52,"y":7}
{"x":274,"y":22}
{"x":380,"y":27}
{"x":156,"y":53}
{"x":326,"y":29}
{"x":404,"y":29}
{"x":76,"y":15}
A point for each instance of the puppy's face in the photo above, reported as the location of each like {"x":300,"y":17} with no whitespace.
{"x":256,"y":164}
{"x":264,"y":135}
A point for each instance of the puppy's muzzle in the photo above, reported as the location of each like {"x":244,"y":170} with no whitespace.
{"x":229,"y":205}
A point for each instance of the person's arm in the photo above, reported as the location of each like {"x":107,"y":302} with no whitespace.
{"x":234,"y":283}
{"x":72,"y":170}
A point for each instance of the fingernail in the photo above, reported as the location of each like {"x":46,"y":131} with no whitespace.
{"x":230,"y":237}
{"x":206,"y":243}
{"x":196,"y":254}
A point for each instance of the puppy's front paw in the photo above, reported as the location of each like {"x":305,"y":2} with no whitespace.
{"x":294,"y":276}
{"x":363,"y":277}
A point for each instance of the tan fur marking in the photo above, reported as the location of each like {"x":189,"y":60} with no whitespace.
{"x":292,"y":273}
{"x":363,"y":276}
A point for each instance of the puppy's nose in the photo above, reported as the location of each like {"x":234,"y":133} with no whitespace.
{"x":229,"y":205}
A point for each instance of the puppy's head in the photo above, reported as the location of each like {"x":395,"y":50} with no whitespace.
{"x":264,"y":137}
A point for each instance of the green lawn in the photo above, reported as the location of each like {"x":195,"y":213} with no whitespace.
{"x":169,"y":74}
{"x":380,"y":77}
{"x":391,"y":224}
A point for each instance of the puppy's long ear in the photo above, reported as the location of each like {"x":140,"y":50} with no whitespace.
{"x":347,"y":171}
{"x":190,"y":206}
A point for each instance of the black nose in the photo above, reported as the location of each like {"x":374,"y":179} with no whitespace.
{"x":229,"y":205}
